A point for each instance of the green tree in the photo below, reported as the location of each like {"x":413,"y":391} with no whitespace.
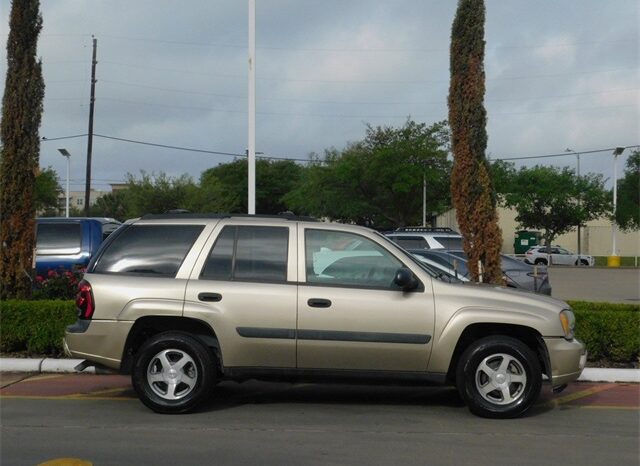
{"x":46,"y":192}
{"x":224,"y":188}
{"x":556,"y":200}
{"x":378,"y":181}
{"x":111,"y":205}
{"x":471,"y":187}
{"x":21,"y":116}
{"x":628,"y":208}
{"x":153,"y":194}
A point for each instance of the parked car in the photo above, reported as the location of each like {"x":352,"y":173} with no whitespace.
{"x":516,"y":274}
{"x":181,"y":302}
{"x":556,"y":255}
{"x":65,"y":243}
{"x":426,"y":238}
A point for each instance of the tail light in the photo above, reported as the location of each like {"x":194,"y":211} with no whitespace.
{"x":84,"y":301}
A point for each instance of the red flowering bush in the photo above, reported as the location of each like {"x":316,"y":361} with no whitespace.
{"x":58,"y":284}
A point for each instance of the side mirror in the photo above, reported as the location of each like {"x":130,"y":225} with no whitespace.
{"x":405,"y":279}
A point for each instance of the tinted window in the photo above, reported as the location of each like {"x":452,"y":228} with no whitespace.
{"x":411,"y":242}
{"x":58,"y":236}
{"x":154,"y":250}
{"x":449,"y":242}
{"x":330,"y":261}
{"x":249,"y":254}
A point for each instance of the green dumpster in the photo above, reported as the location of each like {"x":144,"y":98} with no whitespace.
{"x":524,"y":240}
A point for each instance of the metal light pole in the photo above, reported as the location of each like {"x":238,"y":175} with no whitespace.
{"x":251,"y":152}
{"x":579,"y":199}
{"x":65,"y":153}
{"x":424,"y":200}
{"x":614,"y":227}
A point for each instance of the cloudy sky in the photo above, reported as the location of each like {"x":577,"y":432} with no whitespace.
{"x":560,"y":74}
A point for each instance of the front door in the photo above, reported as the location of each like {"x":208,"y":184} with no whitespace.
{"x":351,"y":315}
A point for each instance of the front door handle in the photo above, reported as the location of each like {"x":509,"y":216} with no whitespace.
{"x":210,"y":297}
{"x":318,"y":302}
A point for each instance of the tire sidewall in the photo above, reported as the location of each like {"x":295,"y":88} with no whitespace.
{"x":466,"y":375}
{"x":202,"y":358}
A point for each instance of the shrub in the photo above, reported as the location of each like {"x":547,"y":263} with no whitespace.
{"x":610,"y":331}
{"x":36,"y":327}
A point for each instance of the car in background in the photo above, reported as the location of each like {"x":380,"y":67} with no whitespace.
{"x":556,"y":255}
{"x":516,"y":274}
{"x":426,"y":238}
{"x":68,"y":243}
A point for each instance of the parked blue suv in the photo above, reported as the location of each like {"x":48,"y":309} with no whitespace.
{"x":64,"y":243}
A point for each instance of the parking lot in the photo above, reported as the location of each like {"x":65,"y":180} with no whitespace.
{"x":614,"y":285}
{"x":99,"y":419}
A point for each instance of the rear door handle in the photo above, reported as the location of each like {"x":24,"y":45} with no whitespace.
{"x":210,"y":297}
{"x":318,"y":302}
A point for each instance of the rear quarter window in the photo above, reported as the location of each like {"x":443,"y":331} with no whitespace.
{"x":148,"y":250}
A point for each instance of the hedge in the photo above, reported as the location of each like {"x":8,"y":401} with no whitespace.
{"x":610,"y":331}
{"x":36,"y":327}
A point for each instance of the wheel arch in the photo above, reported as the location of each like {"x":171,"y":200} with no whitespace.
{"x":148,"y":326}
{"x":475,"y":331}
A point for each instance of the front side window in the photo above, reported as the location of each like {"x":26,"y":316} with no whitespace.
{"x":249,"y":253}
{"x":149,"y":250}
{"x":330,"y":261}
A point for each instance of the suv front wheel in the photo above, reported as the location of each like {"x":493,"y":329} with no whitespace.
{"x":499,"y":377}
{"x":173,"y":373}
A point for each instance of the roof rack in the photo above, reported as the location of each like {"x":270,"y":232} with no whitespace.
{"x":428,"y":229}
{"x":189,"y":215}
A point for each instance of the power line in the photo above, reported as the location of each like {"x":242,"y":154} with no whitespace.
{"x":232,"y":154}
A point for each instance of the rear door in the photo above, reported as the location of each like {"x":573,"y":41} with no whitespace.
{"x":351,"y":316}
{"x":244,"y":287}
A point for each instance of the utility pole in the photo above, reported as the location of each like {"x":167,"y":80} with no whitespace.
{"x":251,"y":153}
{"x":87,"y":188}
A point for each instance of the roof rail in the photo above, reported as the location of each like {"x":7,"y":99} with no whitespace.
{"x":428,"y":229}
{"x":282,"y":216}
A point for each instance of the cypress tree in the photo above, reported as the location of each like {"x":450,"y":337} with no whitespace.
{"x":471,"y":186}
{"x":19,"y":133}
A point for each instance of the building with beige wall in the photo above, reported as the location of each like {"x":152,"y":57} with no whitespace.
{"x":596,"y":237}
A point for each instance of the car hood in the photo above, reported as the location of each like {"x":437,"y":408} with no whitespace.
{"x":489,"y":295}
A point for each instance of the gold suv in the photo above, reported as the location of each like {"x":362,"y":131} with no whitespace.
{"x":184,"y":301}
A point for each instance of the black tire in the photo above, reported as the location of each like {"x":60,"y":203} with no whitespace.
{"x":584,"y":262}
{"x":540,"y":262}
{"x":515,"y":388}
{"x":173,"y":373}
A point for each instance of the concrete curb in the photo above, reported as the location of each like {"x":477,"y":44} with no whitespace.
{"x":49,"y":365}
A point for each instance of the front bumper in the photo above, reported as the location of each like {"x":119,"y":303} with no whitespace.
{"x":567,"y":359}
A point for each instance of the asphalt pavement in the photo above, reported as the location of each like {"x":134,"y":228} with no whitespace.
{"x":605,"y":284}
{"x":97,"y":418}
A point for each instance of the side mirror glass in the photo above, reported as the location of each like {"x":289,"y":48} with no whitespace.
{"x":405,"y":279}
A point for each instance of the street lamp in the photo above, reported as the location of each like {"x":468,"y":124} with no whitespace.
{"x":65,"y":153}
{"x":616,"y":152}
{"x":579,"y":198}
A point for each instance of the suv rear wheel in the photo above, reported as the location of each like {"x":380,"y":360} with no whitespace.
{"x":499,"y":377}
{"x":173,"y":373}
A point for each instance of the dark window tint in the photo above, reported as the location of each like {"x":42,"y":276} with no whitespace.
{"x":58,"y":236}
{"x":154,"y":250}
{"x":449,"y":242}
{"x":219,"y":265}
{"x":249,"y":254}
{"x":411,"y":242}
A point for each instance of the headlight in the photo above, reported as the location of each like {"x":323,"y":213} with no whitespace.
{"x":568,"y":322}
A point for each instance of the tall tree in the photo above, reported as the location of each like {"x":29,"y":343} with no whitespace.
{"x":556,"y":200}
{"x":628,"y":208}
{"x":21,"y":115}
{"x":378,"y":181}
{"x":46,"y":192}
{"x":471,"y":187}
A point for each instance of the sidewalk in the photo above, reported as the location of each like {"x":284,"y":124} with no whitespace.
{"x":49,"y":365}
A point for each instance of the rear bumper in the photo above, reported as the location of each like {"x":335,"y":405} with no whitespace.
{"x":101,"y":341}
{"x":567,"y":359}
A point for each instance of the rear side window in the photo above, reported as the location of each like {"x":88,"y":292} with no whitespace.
{"x":248,"y":253}
{"x":59,"y":236}
{"x":149,"y":250}
{"x":449,"y":242}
